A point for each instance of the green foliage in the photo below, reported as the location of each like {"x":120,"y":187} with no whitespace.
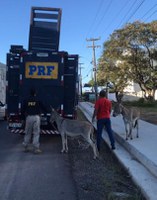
{"x":141,"y":100}
{"x":130,"y":54}
{"x":142,"y":103}
{"x":91,"y":82}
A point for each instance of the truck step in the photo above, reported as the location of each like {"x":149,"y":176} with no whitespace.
{"x":43,"y":132}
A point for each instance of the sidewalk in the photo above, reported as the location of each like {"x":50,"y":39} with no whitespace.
{"x":139,"y":156}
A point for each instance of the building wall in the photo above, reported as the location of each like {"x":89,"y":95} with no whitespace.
{"x":2,"y":82}
{"x":135,"y":90}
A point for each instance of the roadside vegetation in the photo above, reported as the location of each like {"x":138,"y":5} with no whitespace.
{"x":130,"y":56}
{"x":148,"y":109}
{"x":142,"y":103}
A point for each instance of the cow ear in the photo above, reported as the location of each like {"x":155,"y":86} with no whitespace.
{"x":119,"y":96}
{"x":113,"y":102}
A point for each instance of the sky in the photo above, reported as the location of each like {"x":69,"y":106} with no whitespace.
{"x":81,"y":20}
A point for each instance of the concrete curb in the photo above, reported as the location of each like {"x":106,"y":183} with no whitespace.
{"x":141,"y":166}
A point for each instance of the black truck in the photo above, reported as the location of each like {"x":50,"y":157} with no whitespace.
{"x":53,"y":73}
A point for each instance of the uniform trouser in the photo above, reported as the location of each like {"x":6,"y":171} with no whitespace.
{"x":100,"y":125}
{"x":32,"y":127}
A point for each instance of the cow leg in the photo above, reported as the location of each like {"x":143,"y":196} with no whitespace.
{"x":126,"y":130}
{"x":63,"y":142}
{"x":66,"y":143}
{"x":137,"y":127}
{"x":92,"y":144}
{"x":130,"y":130}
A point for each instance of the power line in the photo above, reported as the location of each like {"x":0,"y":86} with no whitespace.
{"x":151,"y":15}
{"x":117,"y":14}
{"x":130,"y":8}
{"x":141,"y":3}
{"x":95,"y":18}
{"x":87,"y":74}
{"x":105,"y":12}
{"x":98,"y":11}
{"x":149,"y":11}
{"x":95,"y":26}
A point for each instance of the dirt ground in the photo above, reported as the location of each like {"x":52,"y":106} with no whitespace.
{"x":101,"y":179}
{"x":149,"y":116}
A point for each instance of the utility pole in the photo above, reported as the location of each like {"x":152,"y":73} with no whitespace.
{"x":80,"y":78}
{"x":94,"y":63}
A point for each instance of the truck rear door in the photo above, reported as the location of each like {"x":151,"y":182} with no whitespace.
{"x":43,"y":72}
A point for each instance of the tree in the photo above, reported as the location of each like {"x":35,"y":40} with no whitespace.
{"x":131,"y":54}
{"x":110,"y":71}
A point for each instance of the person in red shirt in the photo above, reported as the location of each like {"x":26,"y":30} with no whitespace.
{"x":102,"y":112}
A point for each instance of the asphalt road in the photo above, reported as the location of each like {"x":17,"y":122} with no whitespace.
{"x":26,"y":176}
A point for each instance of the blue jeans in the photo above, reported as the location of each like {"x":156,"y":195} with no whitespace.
{"x":100,"y":125}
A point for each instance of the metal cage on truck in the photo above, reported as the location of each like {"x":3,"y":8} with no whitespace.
{"x":45,"y":29}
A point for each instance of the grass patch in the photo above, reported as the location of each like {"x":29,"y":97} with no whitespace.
{"x":145,"y":104}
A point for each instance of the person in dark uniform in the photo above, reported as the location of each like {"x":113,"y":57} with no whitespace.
{"x":32,"y":109}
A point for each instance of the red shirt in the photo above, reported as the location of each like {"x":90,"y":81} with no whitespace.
{"x":103,"y":107}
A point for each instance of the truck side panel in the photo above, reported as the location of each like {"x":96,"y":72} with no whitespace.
{"x":12,"y":90}
{"x":70,"y":85}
